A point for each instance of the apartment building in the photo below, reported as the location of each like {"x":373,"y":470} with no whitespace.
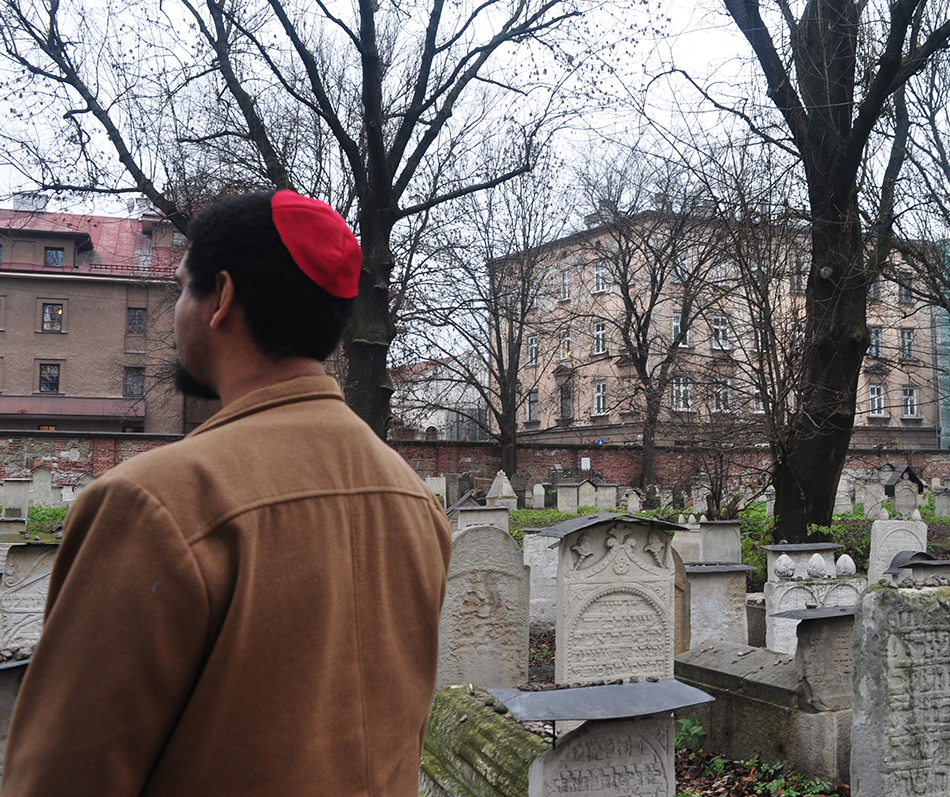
{"x":680,"y":319}
{"x":86,"y":311}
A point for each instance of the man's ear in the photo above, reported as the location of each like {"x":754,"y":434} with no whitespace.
{"x":224,"y":291}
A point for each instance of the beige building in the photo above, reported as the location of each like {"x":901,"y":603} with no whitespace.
{"x":86,"y":309}
{"x":719,"y":326}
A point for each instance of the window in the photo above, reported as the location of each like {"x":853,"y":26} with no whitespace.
{"x":799,"y":277}
{"x":566,"y":402}
{"x":565,"y":285}
{"x":565,"y":344}
{"x":135,"y":381}
{"x":909,"y":402}
{"x":874,"y":290}
{"x":722,"y":396}
{"x":46,"y":428}
{"x":904,"y":293}
{"x":876,"y":400}
{"x":600,"y":398}
{"x":758,"y":401}
{"x":758,"y":338}
{"x":600,"y":337}
{"x":600,"y":277}
{"x":532,"y":349}
{"x":55,"y":257}
{"x":532,"y":405}
{"x":876,"y":335}
{"x":179,"y":239}
{"x":52,"y":317}
{"x":682,"y":400}
{"x":720,"y":332}
{"x":678,"y":327}
{"x":680,"y":271}
{"x":720,"y":271}
{"x":907,"y":344}
{"x":49,"y":378}
{"x":136,"y":321}
{"x":1,"y":253}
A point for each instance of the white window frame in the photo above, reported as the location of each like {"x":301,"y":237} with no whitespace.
{"x":909,"y":406}
{"x":681,"y":267}
{"x":600,"y":277}
{"x":682,"y":394}
{"x":532,"y":350}
{"x":875,"y":341}
{"x":907,"y":343}
{"x":600,"y":398}
{"x":565,"y":285}
{"x":600,"y":338}
{"x":876,"y":400}
{"x":721,"y":333}
{"x":758,"y":402}
{"x":564,"y":344}
{"x":722,"y":395}
{"x":677,"y":328}
{"x":905,"y":294}
{"x":532,"y":406}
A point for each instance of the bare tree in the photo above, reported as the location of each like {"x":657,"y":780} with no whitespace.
{"x":371,"y":108}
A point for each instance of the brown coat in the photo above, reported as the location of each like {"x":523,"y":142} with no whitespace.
{"x":250,"y":611}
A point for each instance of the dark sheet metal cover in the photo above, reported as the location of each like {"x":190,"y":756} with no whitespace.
{"x":819,"y":613}
{"x":586,"y":521}
{"x":614,"y":701}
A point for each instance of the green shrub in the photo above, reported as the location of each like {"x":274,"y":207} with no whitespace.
{"x":45,"y":519}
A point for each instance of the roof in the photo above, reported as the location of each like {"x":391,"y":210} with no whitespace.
{"x":106,"y":245}
{"x":899,"y":472}
{"x":586,"y":521}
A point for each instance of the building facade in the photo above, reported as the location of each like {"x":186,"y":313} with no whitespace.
{"x":86,"y":315}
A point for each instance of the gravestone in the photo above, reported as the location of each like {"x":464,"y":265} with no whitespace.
{"x":718,"y":602}
{"x":720,"y":541}
{"x":870,"y":494}
{"x":42,"y":491}
{"x":438,"y":487}
{"x":615,"y":602}
{"x":467,"y":501}
{"x":586,"y":494}
{"x":567,"y":498}
{"x":541,"y":558}
{"x":903,"y":487}
{"x":537,"y":495}
{"x":682,"y":635}
{"x":606,"y":496}
{"x":900,"y":733}
{"x":483,"y":633}
{"x":686,"y":539}
{"x":23,"y":591}
{"x":467,"y":516}
{"x":16,"y":497}
{"x":800,"y":554}
{"x":942,"y":503}
{"x":633,"y":502}
{"x":843,"y":503}
{"x":520,"y":485}
{"x":824,"y":657}
{"x":890,"y":537}
{"x":501,"y":493}
{"x":609,"y":758}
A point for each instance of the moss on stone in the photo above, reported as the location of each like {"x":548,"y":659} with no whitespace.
{"x":471,"y":749}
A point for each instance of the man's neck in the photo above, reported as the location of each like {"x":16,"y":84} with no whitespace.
{"x":245,"y":381}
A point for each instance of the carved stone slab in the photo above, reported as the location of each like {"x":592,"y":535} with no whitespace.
{"x":609,"y":758}
{"x":720,"y":541}
{"x":615,"y":615}
{"x":718,"y":602}
{"x":541,"y":558}
{"x":900,"y":732}
{"x":483,"y":635}
{"x":890,"y":537}
{"x":784,"y":596}
{"x":825,"y":660}
{"x":23,"y":592}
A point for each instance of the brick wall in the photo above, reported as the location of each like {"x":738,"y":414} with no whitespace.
{"x":68,"y":456}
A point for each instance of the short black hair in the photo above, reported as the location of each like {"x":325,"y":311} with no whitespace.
{"x":286,"y":312}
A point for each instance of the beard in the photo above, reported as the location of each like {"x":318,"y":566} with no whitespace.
{"x":189,"y":386}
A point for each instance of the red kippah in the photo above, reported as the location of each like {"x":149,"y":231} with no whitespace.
{"x":319,"y":241}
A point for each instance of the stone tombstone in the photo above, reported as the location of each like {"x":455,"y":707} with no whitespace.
{"x":633,"y":502}
{"x":890,"y":537}
{"x":567,"y":498}
{"x":682,"y":636}
{"x":800,"y":554}
{"x":16,"y":497}
{"x":615,"y":601}
{"x":606,"y":496}
{"x":843,"y":503}
{"x":42,"y":491}
{"x":483,"y":633}
{"x":520,"y":485}
{"x":609,"y":758}
{"x":466,"y":484}
{"x":784,"y":596}
{"x":496,"y":516}
{"x":905,"y":497}
{"x":824,"y":660}
{"x":870,"y":494}
{"x":23,"y":591}
{"x":652,"y":498}
{"x":900,"y":732}
{"x":718,"y":602}
{"x":942,"y":503}
{"x":501,"y":492}
{"x":720,"y":541}
{"x":438,"y":487}
{"x":586,"y":494}
{"x":537,"y":496}
{"x":686,"y":540}
{"x":541,"y":558}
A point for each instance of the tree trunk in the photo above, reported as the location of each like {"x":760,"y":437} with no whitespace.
{"x":509,"y":455}
{"x":649,"y":452}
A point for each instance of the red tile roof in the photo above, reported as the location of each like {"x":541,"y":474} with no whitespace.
{"x":106,"y":245}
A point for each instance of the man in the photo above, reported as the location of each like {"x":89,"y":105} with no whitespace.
{"x":252,"y":610}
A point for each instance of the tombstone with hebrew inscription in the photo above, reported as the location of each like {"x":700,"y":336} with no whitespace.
{"x":889,"y":538}
{"x":615,"y":601}
{"x":483,"y":633}
{"x":23,"y":592}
